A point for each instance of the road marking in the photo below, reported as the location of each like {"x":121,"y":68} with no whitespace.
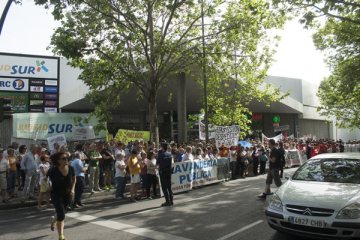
{"x":176,"y":204}
{"x":144,"y":232}
{"x":240,"y":230}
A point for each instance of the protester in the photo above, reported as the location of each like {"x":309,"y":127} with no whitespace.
{"x":43,"y":181}
{"x":164,"y":161}
{"x":94,"y":156}
{"x":282,"y":158}
{"x":120,"y":175}
{"x":80,"y":170}
{"x":11,"y":180}
{"x":22,"y":152}
{"x":4,"y":167}
{"x":29,"y":164}
{"x":134,"y":169}
{"x":152,"y":172}
{"x":274,"y":166}
{"x":62,"y":177}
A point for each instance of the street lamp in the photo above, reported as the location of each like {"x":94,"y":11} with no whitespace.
{"x":204,"y":74}
{"x":3,"y":16}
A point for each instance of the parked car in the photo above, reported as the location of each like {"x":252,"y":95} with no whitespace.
{"x":321,"y":199}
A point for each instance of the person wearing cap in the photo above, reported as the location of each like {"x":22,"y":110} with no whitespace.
{"x":164,"y":161}
{"x":4,"y":168}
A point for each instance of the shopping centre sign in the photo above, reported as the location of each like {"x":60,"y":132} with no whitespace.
{"x":26,"y":66}
{"x":40,"y":126}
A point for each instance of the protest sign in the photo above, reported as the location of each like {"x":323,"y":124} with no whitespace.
{"x":59,"y":139}
{"x":227,"y":135}
{"x":292,"y":158}
{"x":194,"y":173}
{"x":126,"y":136}
{"x":83,"y":133}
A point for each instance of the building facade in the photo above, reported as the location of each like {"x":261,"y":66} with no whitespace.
{"x":182,"y":96}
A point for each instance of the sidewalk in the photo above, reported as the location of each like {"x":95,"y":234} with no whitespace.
{"x":86,"y":197}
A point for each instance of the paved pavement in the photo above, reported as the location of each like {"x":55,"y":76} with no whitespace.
{"x":87,"y":197}
{"x":224,"y":211}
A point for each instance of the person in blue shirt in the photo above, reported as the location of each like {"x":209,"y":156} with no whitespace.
{"x":80,"y":170}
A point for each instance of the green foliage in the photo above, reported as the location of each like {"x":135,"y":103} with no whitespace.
{"x":120,"y":45}
{"x":338,"y":35}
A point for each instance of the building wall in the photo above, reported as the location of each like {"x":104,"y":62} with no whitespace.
{"x":5,"y":132}
{"x":316,"y":128}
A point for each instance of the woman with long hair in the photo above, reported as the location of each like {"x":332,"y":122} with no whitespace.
{"x":62,"y":177}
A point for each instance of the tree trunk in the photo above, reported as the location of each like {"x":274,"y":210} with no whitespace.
{"x":154,"y":128}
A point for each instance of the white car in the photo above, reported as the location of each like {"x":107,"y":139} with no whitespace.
{"x":321,"y":199}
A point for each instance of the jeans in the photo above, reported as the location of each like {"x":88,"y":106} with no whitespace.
{"x":11,"y":181}
{"x":30,"y":181}
{"x":120,"y":186}
{"x":79,"y":189}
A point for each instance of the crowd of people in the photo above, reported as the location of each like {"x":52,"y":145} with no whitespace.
{"x":63,"y":173}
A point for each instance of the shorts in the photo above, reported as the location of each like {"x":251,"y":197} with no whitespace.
{"x":135,"y":178}
{"x":3,"y":182}
{"x":273,"y":174}
{"x":44,"y":186}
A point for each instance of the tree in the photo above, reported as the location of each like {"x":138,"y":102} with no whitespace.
{"x":338,"y":34}
{"x":140,"y":43}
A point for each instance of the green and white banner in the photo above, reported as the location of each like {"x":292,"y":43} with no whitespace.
{"x":41,"y":126}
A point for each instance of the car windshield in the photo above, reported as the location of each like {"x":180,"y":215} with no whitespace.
{"x":330,"y":170}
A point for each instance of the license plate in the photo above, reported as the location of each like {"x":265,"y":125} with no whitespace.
{"x":307,"y":222}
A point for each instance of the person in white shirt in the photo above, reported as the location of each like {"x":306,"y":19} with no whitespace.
{"x":43,"y":181}
{"x":188,"y":154}
{"x":4,"y":168}
{"x":120,"y":174}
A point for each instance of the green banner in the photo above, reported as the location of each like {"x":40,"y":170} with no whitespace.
{"x":126,"y":136}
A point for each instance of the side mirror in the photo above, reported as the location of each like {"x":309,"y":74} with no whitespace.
{"x":287,"y":176}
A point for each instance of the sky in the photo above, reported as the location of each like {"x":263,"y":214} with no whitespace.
{"x":28,"y":28}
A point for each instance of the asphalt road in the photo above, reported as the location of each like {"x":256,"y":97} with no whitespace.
{"x":224,"y":211}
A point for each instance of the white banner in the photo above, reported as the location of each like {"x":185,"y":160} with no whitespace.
{"x":193,"y":173}
{"x":292,"y":158}
{"x":227,"y":136}
{"x":276,"y":138}
{"x":59,"y":139}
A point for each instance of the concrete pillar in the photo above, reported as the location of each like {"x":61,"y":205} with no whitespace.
{"x":181,"y":108}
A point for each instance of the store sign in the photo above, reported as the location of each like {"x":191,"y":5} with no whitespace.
{"x":26,"y":66}
{"x":51,"y":82}
{"x":14,"y":84}
{"x":36,"y":102}
{"x":36,"y":89}
{"x":51,"y":89}
{"x":19,"y":101}
{"x":50,"y":110}
{"x":50,"y":103}
{"x":36,"y":109}
{"x":36,"y":82}
{"x":50,"y":96}
{"x":36,"y":96}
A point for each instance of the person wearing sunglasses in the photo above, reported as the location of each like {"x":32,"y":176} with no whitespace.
{"x":63,"y":180}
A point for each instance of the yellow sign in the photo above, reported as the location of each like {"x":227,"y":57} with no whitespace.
{"x":126,"y":136}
